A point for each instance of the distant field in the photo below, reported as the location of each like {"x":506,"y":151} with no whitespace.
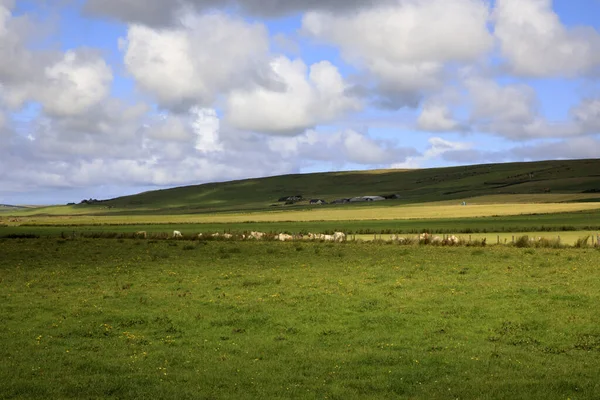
{"x":427,"y":211}
{"x":182,"y":320}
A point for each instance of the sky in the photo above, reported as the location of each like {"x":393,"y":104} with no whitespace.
{"x":104,"y":98}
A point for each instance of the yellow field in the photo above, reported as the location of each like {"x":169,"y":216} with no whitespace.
{"x":421,"y":211}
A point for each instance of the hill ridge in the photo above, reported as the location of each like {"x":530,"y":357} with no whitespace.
{"x":413,"y":186}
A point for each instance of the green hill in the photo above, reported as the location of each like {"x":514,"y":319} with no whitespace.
{"x":541,"y":181}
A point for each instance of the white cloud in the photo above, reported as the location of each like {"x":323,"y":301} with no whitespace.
{"x":206,"y":125}
{"x":537,"y":44}
{"x":510,"y":103}
{"x":169,"y":128}
{"x":582,"y":147}
{"x":339,"y":148}
{"x":301,"y":102}
{"x":17,"y":63}
{"x":406,"y":45}
{"x":437,"y":117}
{"x":438,"y":147}
{"x":587,"y":115}
{"x":511,"y":111}
{"x":73,"y":85}
{"x":194,"y":63}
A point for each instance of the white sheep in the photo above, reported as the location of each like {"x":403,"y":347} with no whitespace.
{"x":283,"y":237}
{"x":339,"y":237}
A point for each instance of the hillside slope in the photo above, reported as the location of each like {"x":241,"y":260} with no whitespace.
{"x":541,"y":181}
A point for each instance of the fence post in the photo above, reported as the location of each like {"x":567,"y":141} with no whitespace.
{"x":498,"y":239}
{"x":513,"y":239}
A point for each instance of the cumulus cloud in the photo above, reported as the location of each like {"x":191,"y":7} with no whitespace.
{"x":164,"y":12}
{"x":194,"y":63}
{"x":512,"y":111}
{"x":437,"y":117}
{"x":587,"y":115}
{"x":438,"y":147}
{"x":18,"y":65}
{"x":305,"y":99}
{"x":121,"y":144}
{"x":510,"y":103}
{"x":400,"y":47}
{"x":207,"y":126}
{"x":340,"y":148}
{"x":73,"y":85}
{"x":583,"y":147}
{"x":576,"y":148}
{"x":535,"y":43}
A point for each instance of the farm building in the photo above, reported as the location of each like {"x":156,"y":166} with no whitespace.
{"x":341,"y":201}
{"x":318,"y":201}
{"x":366,"y":198}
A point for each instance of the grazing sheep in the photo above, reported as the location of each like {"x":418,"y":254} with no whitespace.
{"x":177,"y":235}
{"x":228,"y":236}
{"x":141,"y":234}
{"x":283,"y":237}
{"x":256,"y":235}
{"x":339,"y":237}
{"x":398,"y":239}
{"x":452,"y":240}
{"x":200,"y":235}
{"x":327,"y":238}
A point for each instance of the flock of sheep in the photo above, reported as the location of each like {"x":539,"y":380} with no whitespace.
{"x":284,"y":237}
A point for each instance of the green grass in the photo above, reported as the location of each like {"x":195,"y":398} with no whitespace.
{"x":549,"y":178}
{"x":163,"y":319}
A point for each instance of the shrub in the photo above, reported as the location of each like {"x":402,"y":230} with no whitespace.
{"x":522,"y":241}
{"x":582,"y":242}
{"x":21,"y":236}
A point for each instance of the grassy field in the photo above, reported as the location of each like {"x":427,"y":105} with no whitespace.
{"x":217,"y":320}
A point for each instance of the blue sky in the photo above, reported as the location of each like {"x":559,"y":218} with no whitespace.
{"x":102,"y":98}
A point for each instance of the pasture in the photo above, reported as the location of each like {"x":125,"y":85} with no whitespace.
{"x":100,"y":318}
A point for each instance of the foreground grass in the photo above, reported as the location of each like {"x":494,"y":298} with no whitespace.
{"x":143,"y":319}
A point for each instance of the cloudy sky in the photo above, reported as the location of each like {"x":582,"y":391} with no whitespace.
{"x":101,"y":98}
